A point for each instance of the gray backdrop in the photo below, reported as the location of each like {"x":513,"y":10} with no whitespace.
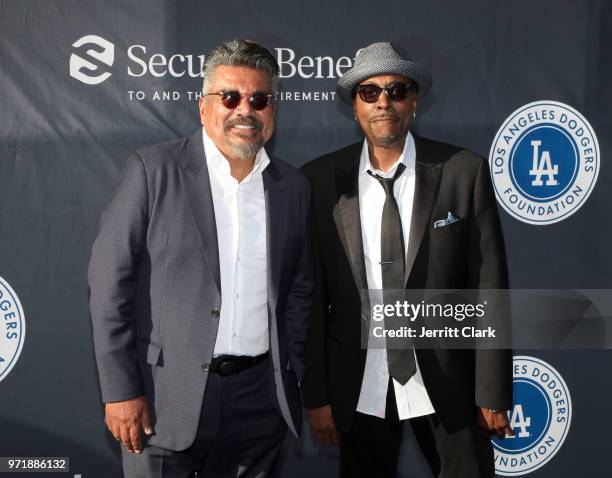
{"x":64,"y":142}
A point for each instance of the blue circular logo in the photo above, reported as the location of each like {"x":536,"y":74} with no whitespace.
{"x":536,"y":146}
{"x":540,"y":418}
{"x":544,"y":162}
{"x":534,"y":403}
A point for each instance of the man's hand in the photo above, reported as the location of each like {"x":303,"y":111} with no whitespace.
{"x":323,"y":426}
{"x":125,"y":419}
{"x":493,"y":423}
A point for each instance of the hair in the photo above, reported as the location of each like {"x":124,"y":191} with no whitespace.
{"x":240,"y":53}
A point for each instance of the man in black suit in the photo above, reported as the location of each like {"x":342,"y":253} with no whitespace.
{"x":367,"y":198}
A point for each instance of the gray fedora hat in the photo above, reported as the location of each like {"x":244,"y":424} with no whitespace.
{"x":379,"y":59}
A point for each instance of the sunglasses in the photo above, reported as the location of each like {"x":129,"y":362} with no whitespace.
{"x":395,"y":91}
{"x":232,"y":98}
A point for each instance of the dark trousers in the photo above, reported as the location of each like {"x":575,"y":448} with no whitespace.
{"x":371,"y":448}
{"x":240,"y":433}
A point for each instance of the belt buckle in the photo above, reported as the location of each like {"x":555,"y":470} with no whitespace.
{"x":225,"y":368}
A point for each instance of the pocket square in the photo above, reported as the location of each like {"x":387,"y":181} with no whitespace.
{"x":445,"y":222}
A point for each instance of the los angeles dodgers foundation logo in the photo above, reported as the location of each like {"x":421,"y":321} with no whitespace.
{"x":544,"y":162}
{"x":13,"y":328}
{"x":540,"y":418}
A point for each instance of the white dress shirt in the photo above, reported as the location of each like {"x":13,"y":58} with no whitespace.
{"x":412,"y":398}
{"x":240,"y":217}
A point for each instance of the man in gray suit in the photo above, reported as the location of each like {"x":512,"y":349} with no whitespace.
{"x":201,"y":287}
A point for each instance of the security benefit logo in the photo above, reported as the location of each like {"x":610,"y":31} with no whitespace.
{"x":100,"y":53}
{"x":544,"y":162}
{"x":540,"y":418}
{"x":13,"y":328}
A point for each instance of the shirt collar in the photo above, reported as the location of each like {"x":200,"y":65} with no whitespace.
{"x":408,"y":157}
{"x":218,"y":162}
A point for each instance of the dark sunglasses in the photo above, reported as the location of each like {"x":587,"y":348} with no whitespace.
{"x":232,"y":98}
{"x":395,"y":91}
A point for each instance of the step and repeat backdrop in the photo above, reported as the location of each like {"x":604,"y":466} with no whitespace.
{"x":84,"y":83}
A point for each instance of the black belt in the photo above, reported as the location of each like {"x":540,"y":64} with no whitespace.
{"x":231,"y":364}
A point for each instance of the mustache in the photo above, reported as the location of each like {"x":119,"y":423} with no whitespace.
{"x":243,"y":121}
{"x":383,"y":116}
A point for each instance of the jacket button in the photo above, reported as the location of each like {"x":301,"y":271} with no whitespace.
{"x":215,"y":313}
{"x":205,"y":368}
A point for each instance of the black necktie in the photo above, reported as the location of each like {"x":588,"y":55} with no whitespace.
{"x":401,"y":361}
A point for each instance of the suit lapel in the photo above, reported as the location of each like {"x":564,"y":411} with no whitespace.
{"x":427,"y":183}
{"x":348,"y":220}
{"x":276,"y":218}
{"x":196,"y":180}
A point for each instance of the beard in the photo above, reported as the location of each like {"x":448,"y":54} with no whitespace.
{"x":388,"y":139}
{"x":388,"y":136}
{"x":245,"y":150}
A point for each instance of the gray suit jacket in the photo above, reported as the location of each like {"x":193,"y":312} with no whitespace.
{"x":155,"y":290}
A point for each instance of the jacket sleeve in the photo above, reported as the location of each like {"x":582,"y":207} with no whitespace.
{"x":315,"y":388}
{"x":488,"y":270}
{"x":299,"y":299}
{"x":112,"y":275}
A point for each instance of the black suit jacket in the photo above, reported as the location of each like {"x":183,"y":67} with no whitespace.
{"x":468,"y":254}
